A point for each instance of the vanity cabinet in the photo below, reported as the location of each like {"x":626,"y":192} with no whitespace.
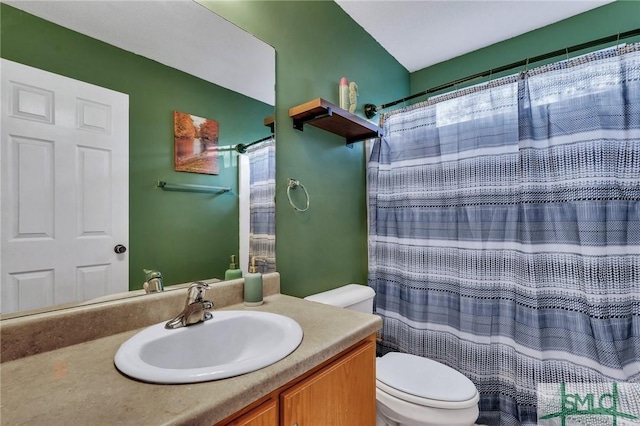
{"x":340,"y":392}
{"x":265,"y":415}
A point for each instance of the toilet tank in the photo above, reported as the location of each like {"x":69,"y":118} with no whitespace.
{"x":351,"y":296}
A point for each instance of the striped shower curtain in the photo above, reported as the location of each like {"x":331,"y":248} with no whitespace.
{"x":262,"y":205}
{"x":505,"y":232}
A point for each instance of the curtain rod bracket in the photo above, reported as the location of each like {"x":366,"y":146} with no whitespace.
{"x":370,"y":110}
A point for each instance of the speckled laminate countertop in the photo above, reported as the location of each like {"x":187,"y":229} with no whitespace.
{"x":79,"y":384}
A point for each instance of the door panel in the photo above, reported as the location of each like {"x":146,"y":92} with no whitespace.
{"x":34,"y":288}
{"x":94,"y":192}
{"x":32,"y":178}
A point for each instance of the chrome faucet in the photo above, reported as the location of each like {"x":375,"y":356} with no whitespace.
{"x":153,"y":281}
{"x":196,"y":309}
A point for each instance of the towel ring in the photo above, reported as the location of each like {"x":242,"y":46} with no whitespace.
{"x":292,"y":183}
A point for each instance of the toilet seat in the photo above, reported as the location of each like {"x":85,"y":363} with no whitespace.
{"x":425,"y":402}
{"x":424,"y":382}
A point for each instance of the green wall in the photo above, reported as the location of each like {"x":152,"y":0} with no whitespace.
{"x":187,"y":236}
{"x":316,"y":43}
{"x":613,"y":18}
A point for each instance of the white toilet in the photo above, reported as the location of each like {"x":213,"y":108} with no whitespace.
{"x":410,"y":390}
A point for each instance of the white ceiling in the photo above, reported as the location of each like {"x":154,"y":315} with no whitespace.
{"x":179,"y":33}
{"x":422,"y":33}
{"x":184,"y":35}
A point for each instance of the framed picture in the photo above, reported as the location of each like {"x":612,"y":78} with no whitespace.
{"x":196,"y":144}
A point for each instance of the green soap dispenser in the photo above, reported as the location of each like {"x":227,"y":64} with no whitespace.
{"x":253,"y":286}
{"x":233,"y":272}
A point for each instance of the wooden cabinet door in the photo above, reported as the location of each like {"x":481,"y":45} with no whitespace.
{"x":264,"y":415}
{"x":342,"y":394}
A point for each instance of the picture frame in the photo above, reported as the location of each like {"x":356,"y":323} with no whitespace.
{"x":195,"y":144}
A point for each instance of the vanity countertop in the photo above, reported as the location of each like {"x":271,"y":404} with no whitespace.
{"x":80,"y":385}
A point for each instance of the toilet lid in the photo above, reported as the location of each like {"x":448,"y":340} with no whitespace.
{"x":423,"y":378}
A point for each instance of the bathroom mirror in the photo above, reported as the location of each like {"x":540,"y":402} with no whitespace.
{"x":168,"y":56}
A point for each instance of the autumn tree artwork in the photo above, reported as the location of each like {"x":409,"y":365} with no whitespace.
{"x":196,"y":144}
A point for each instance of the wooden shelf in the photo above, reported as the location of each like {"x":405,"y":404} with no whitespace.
{"x":329,"y":117}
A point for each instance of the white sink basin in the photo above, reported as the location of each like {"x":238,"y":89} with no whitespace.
{"x":229,"y":344}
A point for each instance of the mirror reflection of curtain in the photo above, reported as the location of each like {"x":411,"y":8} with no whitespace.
{"x":262,"y":205}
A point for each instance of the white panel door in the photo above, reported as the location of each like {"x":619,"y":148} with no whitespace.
{"x":65,"y":189}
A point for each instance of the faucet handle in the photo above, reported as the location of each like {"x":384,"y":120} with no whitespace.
{"x":207,"y":306}
{"x":196,"y":291}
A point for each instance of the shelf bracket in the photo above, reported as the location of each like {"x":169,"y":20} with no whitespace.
{"x":298,"y":124}
{"x":373,"y":134}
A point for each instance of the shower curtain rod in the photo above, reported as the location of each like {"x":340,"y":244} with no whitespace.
{"x":242,"y":148}
{"x":370,"y":110}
